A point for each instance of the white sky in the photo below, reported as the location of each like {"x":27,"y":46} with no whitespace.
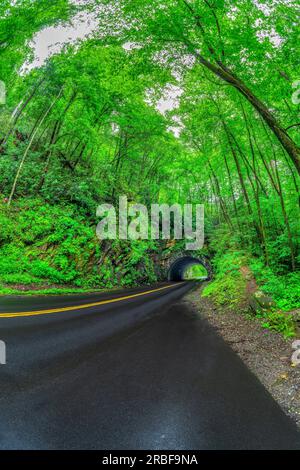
{"x":52,"y":39}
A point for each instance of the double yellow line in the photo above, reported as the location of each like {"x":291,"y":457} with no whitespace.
{"x":83,"y":306}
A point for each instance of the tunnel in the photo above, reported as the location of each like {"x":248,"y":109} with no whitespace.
{"x":179,"y":268}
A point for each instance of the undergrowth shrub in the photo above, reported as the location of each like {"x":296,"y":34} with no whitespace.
{"x":283,"y":288}
{"x":279,"y":321}
{"x":228,"y":286}
{"x":50,"y":244}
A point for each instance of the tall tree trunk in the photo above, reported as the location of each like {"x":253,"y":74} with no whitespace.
{"x":256,"y":190}
{"x":232,"y":193}
{"x":238,"y":167}
{"x":20,"y":111}
{"x":276,"y":183}
{"x":28,"y":147}
{"x":222,"y":71}
{"x":220,"y":198}
{"x":286,"y":221}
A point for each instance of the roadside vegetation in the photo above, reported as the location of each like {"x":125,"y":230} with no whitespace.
{"x":245,"y":285}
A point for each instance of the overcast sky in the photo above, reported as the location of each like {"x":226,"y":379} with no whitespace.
{"x":50,"y":40}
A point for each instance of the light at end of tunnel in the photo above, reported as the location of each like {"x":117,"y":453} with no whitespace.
{"x":195,"y":272}
{"x":187,"y":268}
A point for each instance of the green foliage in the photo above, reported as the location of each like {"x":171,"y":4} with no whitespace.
{"x":226,"y":290}
{"x":196,"y":271}
{"x":44,"y":244}
{"x":281,"y":322}
{"x":284,"y":289}
{"x":228,"y":286}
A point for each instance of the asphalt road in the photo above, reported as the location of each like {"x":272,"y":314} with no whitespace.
{"x":145,"y":372}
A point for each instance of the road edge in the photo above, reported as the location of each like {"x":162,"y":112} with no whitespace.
{"x":266,"y":353}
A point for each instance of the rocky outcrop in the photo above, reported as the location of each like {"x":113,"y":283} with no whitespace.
{"x":259,"y":301}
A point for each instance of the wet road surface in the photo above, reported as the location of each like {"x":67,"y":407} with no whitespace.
{"x":146,"y":372}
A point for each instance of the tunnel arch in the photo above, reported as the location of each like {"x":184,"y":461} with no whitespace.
{"x":178,"y":264}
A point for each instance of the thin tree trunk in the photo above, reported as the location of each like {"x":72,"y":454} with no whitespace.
{"x":218,"y":193}
{"x":220,"y":70}
{"x":238,"y":167}
{"x":20,"y":111}
{"x":232,"y":193}
{"x":286,"y":221}
{"x":28,"y":148}
{"x":256,"y":193}
{"x":276,"y":183}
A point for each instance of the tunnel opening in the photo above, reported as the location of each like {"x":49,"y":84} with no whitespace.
{"x":187,"y":268}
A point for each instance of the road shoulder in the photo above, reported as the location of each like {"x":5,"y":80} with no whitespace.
{"x":266,"y":353}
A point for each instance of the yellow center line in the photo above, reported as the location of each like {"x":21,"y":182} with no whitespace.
{"x":81,"y":307}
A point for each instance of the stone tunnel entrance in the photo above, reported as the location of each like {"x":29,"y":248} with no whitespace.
{"x":180,"y":268}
